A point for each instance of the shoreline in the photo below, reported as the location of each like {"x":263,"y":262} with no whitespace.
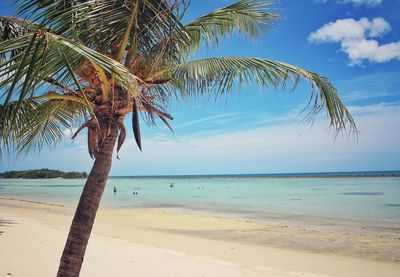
{"x":344,"y":226}
{"x":362,"y":227}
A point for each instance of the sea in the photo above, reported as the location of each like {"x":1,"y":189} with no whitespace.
{"x":368,"y":200}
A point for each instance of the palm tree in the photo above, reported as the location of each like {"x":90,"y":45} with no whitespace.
{"x":91,"y":63}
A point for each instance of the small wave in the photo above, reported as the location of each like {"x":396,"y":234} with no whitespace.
{"x":393,"y":205}
{"x":238,"y":197}
{"x":31,"y":201}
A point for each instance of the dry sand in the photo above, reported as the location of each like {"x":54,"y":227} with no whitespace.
{"x":160,"y":243}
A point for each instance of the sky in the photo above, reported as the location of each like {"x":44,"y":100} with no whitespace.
{"x":356,"y":43}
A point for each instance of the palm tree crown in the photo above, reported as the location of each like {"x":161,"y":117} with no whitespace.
{"x":84,"y":61}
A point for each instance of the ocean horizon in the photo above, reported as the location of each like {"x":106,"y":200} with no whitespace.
{"x":335,"y":174}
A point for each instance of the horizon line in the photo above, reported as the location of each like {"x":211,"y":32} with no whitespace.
{"x":369,"y":173}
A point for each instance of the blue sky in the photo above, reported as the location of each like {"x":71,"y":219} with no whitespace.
{"x":356,"y":43}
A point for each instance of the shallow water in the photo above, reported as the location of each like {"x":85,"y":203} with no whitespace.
{"x":373,"y":199}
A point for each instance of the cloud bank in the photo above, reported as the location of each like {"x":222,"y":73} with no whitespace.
{"x":358,"y":39}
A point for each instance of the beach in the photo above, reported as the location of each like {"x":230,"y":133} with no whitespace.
{"x":156,"y":242}
{"x":181,"y":154}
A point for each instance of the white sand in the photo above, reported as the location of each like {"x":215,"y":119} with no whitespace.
{"x":33,"y":238}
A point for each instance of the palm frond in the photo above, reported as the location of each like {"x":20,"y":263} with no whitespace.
{"x":12,"y":27}
{"x":248,"y":17}
{"x":46,"y":125}
{"x":8,"y":131}
{"x":102,"y":24}
{"x":223,"y":74}
{"x":38,"y":123}
{"x":44,"y":58}
{"x":59,"y":16}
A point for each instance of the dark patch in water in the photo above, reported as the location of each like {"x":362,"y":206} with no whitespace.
{"x":363,"y":193}
{"x":295,"y":199}
{"x":393,"y":205}
{"x":44,"y":186}
{"x":60,"y":186}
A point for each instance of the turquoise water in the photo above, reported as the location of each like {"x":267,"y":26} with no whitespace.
{"x":372,"y":199}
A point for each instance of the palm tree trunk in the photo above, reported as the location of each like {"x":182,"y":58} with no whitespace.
{"x":81,"y":227}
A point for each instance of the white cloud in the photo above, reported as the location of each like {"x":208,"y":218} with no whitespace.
{"x":374,"y":109}
{"x":364,"y":49}
{"x":337,"y":31}
{"x":377,"y":85}
{"x":377,"y":27}
{"x":217,"y":119}
{"x":370,"y":3}
{"x":350,"y":29}
{"x":356,"y":39}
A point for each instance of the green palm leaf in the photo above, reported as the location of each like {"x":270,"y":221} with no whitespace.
{"x":39,"y":122}
{"x":247,"y":17}
{"x":223,"y":74}
{"x":46,"y":124}
{"x":43,"y":52}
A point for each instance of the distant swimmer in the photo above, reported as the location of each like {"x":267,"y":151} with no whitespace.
{"x":135,"y":193}
{"x":172,"y":185}
{"x":115,"y":190}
